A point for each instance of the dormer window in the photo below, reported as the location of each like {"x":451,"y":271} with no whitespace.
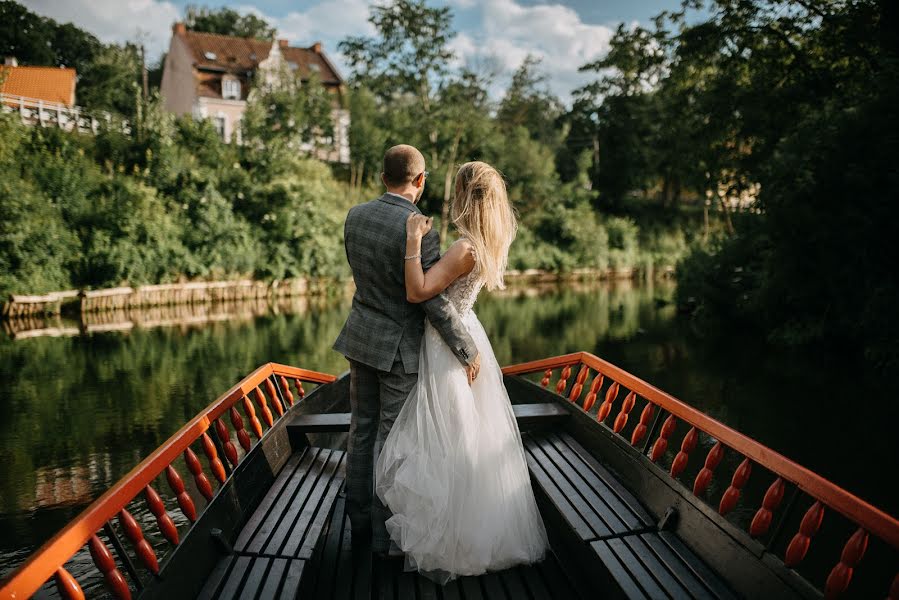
{"x":210,"y":55}
{"x":230,"y":87}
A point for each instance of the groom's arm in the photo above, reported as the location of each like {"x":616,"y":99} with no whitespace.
{"x":441,"y":312}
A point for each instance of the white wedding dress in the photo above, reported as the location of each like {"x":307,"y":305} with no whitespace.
{"x":453,"y":471}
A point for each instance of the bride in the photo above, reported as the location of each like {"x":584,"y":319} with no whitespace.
{"x":453,"y":470}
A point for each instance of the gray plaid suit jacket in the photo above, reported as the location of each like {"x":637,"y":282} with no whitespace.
{"x":382,"y":323}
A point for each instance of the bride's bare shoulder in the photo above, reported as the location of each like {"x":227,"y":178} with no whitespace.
{"x":462,"y":255}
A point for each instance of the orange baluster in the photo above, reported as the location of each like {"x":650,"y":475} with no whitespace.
{"x":215,"y":464}
{"x":626,"y":407}
{"x":141,"y":546}
{"x":300,"y":389}
{"x":263,"y":405}
{"x":270,"y":388}
{"x":606,"y":406}
{"x":563,"y":379}
{"x":686,"y":447}
{"x":661,"y":443}
{"x":104,"y":561}
{"x":166,"y":525}
{"x":546,"y":376}
{"x":184,"y":499}
{"x":761,"y":522}
{"x":251,"y":415}
{"x":643,"y":426}
{"x":704,"y":477}
{"x":841,"y":575}
{"x":798,"y":547}
{"x":193,"y":463}
{"x":237,"y":422}
{"x":579,"y":383}
{"x":69,"y":588}
{"x":222,"y":431}
{"x":286,"y":388}
{"x":732,"y":493}
{"x":590,"y":400}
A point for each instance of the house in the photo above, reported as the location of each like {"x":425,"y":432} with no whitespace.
{"x":210,"y":76}
{"x":52,"y":86}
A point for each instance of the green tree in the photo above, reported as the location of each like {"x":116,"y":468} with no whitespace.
{"x":284,"y":109}
{"x":110,"y":81}
{"x":405,"y":64}
{"x":227,"y":21}
{"x":37,"y":40}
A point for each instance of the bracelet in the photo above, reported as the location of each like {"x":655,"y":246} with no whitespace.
{"x":413,"y":256}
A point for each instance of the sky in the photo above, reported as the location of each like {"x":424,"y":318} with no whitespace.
{"x":501,"y":33}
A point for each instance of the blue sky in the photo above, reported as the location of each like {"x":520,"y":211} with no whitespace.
{"x":500,"y":33}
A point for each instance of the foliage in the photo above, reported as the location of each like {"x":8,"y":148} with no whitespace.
{"x":227,"y":21}
{"x":107,"y":73}
{"x":171,"y":201}
{"x":286,"y":110}
{"x":803,"y":100}
{"x":168,"y":202}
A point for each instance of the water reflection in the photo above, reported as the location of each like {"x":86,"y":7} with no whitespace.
{"x":80,"y":410}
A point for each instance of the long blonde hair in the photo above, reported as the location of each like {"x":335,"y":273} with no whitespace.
{"x":482,"y":213}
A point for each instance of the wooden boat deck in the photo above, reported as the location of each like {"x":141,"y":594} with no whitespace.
{"x":298,"y":542}
{"x":629,"y":512}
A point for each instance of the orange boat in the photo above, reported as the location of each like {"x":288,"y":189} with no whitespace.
{"x":643,"y":497}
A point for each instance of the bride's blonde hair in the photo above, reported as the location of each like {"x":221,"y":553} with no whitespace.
{"x":482,"y":213}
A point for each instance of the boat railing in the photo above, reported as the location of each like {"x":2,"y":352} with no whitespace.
{"x":252,"y":406}
{"x":613,"y":397}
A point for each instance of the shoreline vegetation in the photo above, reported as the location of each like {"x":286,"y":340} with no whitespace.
{"x":749,"y":143}
{"x":169,"y":201}
{"x":201,"y":292}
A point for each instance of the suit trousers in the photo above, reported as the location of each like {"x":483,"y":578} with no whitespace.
{"x":376,"y":398}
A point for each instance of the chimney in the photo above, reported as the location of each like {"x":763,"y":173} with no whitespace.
{"x":282,"y":43}
{"x":317,"y":47}
{"x":179,"y":28}
{"x":10,"y":61}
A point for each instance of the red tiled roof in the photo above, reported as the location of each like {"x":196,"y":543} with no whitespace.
{"x":50,"y":84}
{"x":239,"y":55}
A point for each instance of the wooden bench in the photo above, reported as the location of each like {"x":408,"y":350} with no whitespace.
{"x":605,"y":529}
{"x":346,"y":572}
{"x":527,"y":415}
{"x":244,"y":576}
{"x":275,"y":546}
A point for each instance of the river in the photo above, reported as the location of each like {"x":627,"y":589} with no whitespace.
{"x":80,"y":410}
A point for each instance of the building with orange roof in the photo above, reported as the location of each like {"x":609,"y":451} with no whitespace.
{"x":51,"y":85}
{"x":210,"y":76}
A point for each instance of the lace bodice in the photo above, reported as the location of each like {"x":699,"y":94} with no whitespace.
{"x":464,"y":291}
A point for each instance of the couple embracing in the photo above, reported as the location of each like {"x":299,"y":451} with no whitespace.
{"x":436,"y":470}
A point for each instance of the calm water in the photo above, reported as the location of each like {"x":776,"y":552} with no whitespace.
{"x":78,"y":411}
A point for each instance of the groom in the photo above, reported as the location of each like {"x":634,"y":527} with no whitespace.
{"x":382,"y":334}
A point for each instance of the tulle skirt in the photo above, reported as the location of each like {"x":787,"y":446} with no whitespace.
{"x":453,"y":471}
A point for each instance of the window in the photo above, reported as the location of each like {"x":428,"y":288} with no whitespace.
{"x":314,"y":67}
{"x":230,"y":88}
{"x":219,"y":124}
{"x":292,"y":65}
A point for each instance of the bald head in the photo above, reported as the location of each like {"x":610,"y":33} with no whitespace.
{"x":402,"y":164}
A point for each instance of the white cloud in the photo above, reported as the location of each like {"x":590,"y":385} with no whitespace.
{"x":116,"y":20}
{"x":509,"y":32}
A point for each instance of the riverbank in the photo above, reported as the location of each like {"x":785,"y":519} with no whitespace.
{"x":24,"y":306}
{"x":195,"y":292}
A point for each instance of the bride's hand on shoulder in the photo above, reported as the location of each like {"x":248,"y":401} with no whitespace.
{"x":417,"y":225}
